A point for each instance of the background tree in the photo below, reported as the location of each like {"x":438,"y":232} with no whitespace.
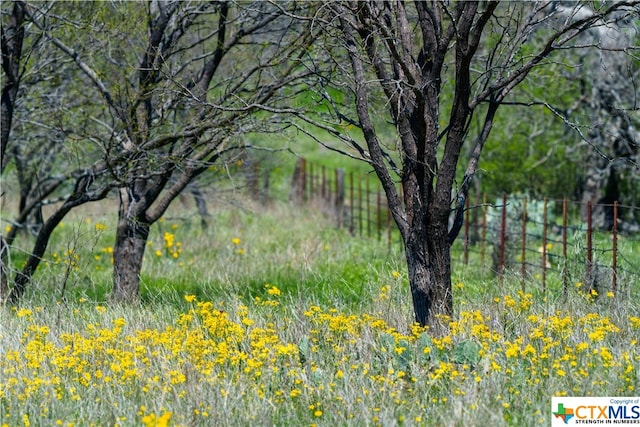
{"x":50,"y":154}
{"x":443,"y":70}
{"x":576,"y":134}
{"x":12,"y":40}
{"x":11,"y":43}
{"x":605,"y":118}
{"x":530,"y":151}
{"x":35,"y":148}
{"x":172,"y":97}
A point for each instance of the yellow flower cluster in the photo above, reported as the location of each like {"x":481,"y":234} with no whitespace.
{"x":171,"y":246}
{"x":236,"y":242}
{"x":69,"y":258}
{"x":320,"y":364}
{"x":203,"y":345}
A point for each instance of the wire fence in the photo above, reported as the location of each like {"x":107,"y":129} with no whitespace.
{"x":558,"y":241}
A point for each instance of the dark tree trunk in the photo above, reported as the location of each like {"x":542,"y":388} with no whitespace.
{"x":128,"y":251}
{"x":9,"y":93}
{"x":429,"y":268}
{"x":201,"y":204}
{"x":34,"y":220}
{"x":11,"y":47}
{"x":12,"y":40}
{"x":4,"y":273}
{"x":427,"y":242}
{"x":440,"y":267}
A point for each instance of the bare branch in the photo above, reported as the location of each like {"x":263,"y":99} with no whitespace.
{"x":72,"y":53}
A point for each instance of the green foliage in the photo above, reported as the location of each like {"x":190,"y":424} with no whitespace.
{"x":529,"y":149}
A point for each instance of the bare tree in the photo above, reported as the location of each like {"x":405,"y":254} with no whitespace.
{"x":12,"y":40}
{"x":605,"y":118}
{"x":437,"y":65}
{"x":172,"y":96}
{"x":45,"y":153}
{"x":40,"y":140}
{"x":17,"y":51}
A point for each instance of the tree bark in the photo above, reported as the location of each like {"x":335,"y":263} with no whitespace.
{"x":12,"y":40}
{"x":4,"y":273}
{"x":11,"y":46}
{"x":429,"y":269}
{"x":128,"y":251}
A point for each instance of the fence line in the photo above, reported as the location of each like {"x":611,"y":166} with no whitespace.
{"x":521,"y":230}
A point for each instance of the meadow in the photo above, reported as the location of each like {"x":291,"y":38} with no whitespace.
{"x":272,"y":316}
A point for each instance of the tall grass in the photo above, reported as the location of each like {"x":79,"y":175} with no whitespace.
{"x":274,"y":317}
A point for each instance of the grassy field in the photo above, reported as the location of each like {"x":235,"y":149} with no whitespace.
{"x":274,"y":317}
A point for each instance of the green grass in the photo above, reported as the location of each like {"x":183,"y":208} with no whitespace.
{"x":272,"y":316}
{"x":241,"y":251}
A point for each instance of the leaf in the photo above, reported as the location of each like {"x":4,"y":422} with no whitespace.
{"x":303,"y":349}
{"x":388,"y":342}
{"x":466,"y":352}
{"x":424,"y":341}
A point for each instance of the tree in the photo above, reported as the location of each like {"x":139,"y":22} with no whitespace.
{"x":32,"y":140}
{"x":437,"y":65}
{"x":606,"y":118}
{"x":46,"y":145}
{"x":577,"y":134}
{"x":172,"y":97}
{"x":12,"y":40}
